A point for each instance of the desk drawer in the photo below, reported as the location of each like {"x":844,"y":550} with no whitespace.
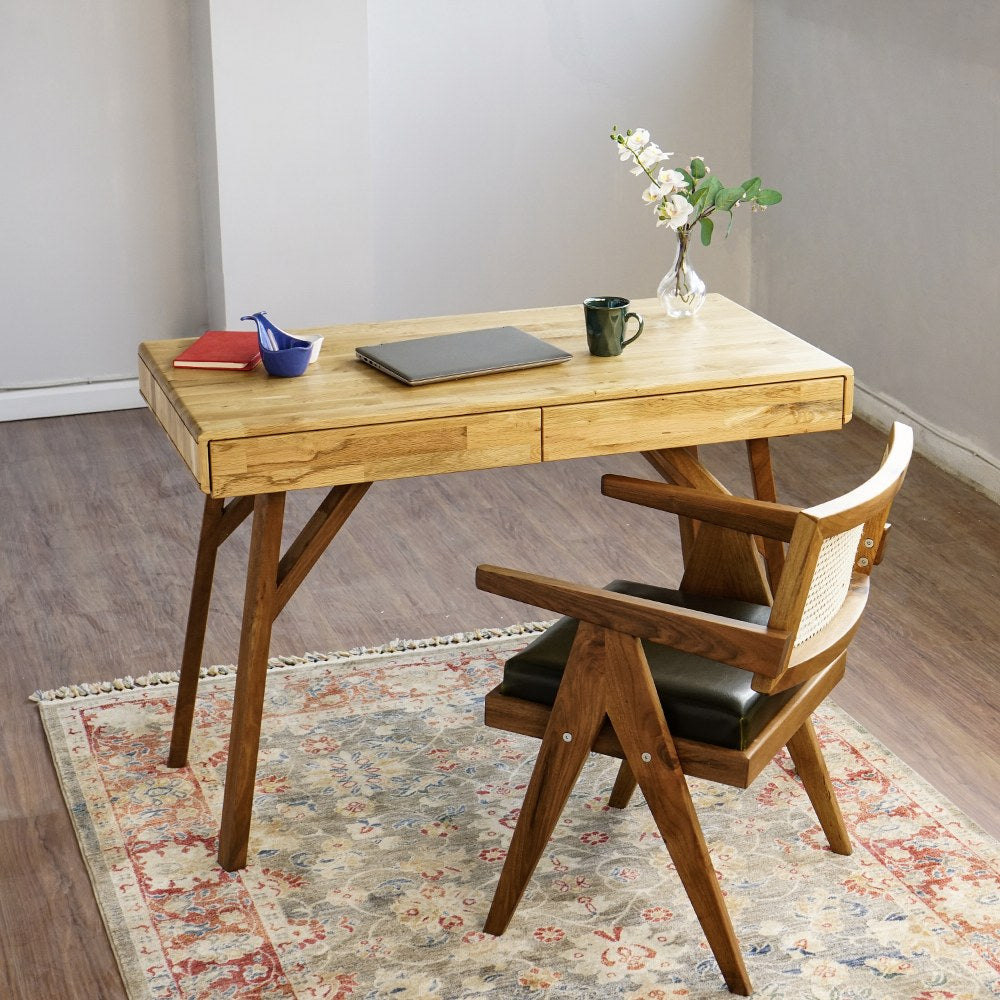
{"x":305,"y":459}
{"x":168,"y":418}
{"x":678,"y":420}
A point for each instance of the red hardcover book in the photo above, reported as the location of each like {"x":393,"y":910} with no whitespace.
{"x":234,"y":349}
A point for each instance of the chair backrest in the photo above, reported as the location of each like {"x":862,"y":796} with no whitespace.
{"x":832,"y":550}
{"x":831,"y":580}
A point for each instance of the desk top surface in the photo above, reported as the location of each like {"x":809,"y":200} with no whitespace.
{"x":724,"y":375}
{"x":724,"y":345}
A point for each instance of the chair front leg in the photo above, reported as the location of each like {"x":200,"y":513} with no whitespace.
{"x":637,"y":717}
{"x":577,"y":717}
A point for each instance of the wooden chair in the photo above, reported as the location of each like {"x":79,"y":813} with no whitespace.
{"x":675,"y":682}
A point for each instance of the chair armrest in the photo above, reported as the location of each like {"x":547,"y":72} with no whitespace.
{"x":755,"y":517}
{"x":757,"y":648}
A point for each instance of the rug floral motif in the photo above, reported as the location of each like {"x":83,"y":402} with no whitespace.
{"x":382,"y":813}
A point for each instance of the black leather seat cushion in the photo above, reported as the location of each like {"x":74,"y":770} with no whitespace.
{"x":702,"y":699}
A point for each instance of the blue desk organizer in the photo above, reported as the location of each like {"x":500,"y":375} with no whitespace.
{"x":283,"y":355}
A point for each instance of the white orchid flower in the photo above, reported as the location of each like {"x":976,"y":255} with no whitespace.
{"x":675,"y":211}
{"x":649,"y":157}
{"x":637,"y":139}
{"x":652,"y":155}
{"x":654,"y":193}
{"x":670,"y":180}
{"x":632,"y":146}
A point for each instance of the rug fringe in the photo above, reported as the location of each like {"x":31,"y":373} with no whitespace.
{"x":168,"y":677}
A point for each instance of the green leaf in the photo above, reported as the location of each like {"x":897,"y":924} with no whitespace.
{"x":714,"y":186}
{"x":687,"y":177}
{"x":698,"y":168}
{"x":750,"y":188}
{"x":727,"y":198}
{"x":701,"y":194}
{"x":768,"y":196}
{"x":707,"y":225}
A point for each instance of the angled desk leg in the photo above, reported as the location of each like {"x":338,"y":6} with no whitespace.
{"x":270,"y":584}
{"x":219,"y":521}
{"x":681,"y":467}
{"x":251,"y":676}
{"x":762,"y":476}
{"x":718,"y":562}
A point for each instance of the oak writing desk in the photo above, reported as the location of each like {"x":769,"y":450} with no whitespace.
{"x":248,"y":438}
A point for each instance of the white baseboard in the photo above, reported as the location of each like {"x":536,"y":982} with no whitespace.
{"x":952,"y":453}
{"x":63,"y":400}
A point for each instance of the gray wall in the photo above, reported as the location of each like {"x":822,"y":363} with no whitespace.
{"x":495,"y":183}
{"x":445,"y":156}
{"x":880,"y":122}
{"x":102,"y":243}
{"x":292,"y":160}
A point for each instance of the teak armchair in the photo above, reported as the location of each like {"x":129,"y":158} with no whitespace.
{"x":678,"y":682}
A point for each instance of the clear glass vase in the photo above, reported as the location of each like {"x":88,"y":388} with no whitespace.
{"x":681,"y":291}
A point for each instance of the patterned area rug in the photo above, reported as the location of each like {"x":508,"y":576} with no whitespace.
{"x":382,"y":813}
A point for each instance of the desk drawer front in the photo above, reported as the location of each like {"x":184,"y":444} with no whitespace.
{"x":691,"y":418}
{"x":367,"y":454}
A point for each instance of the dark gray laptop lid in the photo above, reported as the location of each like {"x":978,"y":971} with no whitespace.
{"x":460,"y":355}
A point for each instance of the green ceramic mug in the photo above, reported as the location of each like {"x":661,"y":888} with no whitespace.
{"x":607,"y":317}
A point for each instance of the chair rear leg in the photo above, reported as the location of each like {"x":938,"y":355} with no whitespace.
{"x":811,"y":767}
{"x":624,"y":787}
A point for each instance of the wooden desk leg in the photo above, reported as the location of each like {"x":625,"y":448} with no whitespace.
{"x":194,"y":638}
{"x":718,"y":562}
{"x":762,"y":476}
{"x":671,"y":464}
{"x":270,"y":584}
{"x":251,"y":677}
{"x":217,"y":523}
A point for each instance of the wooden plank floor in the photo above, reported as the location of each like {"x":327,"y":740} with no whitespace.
{"x":98,"y":522}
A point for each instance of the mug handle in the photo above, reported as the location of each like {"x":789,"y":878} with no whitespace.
{"x":635,"y":336}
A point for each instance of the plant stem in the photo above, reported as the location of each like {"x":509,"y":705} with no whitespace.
{"x":682,"y":246}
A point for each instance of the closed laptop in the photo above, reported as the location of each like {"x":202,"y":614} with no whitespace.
{"x":460,"y":355}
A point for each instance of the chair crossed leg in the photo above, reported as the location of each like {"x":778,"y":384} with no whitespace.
{"x":607,"y":675}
